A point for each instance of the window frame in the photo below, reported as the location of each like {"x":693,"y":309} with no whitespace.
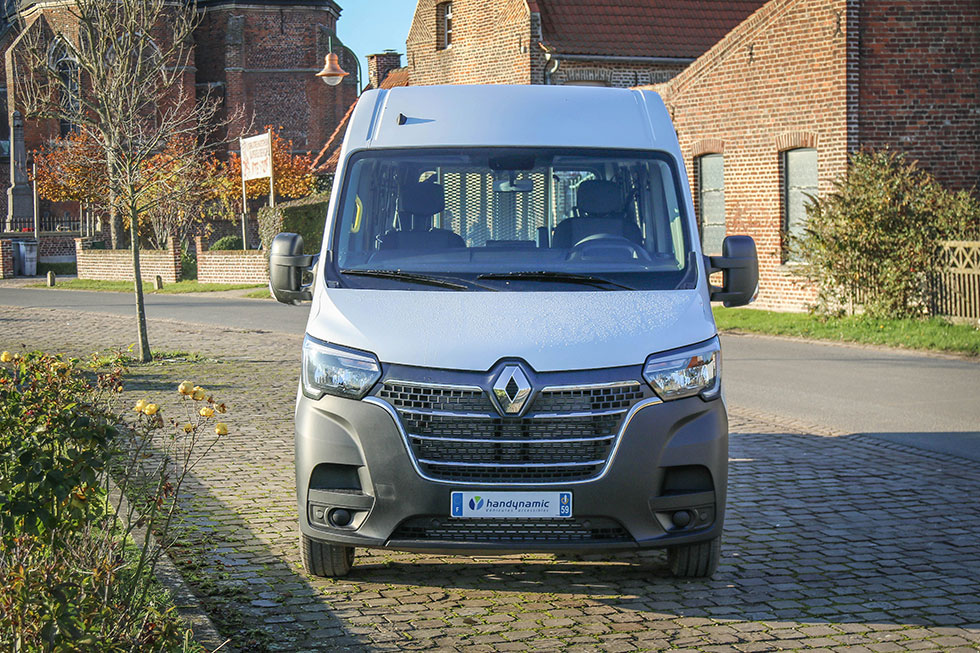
{"x":444,"y":25}
{"x":699,"y":208}
{"x":785,"y":190}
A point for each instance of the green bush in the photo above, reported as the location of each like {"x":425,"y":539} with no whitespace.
{"x":226,"y":243}
{"x":60,"y":269}
{"x":188,"y":265}
{"x":305,"y":217}
{"x":877,"y":236}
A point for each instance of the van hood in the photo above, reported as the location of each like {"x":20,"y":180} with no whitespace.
{"x":550,"y":331}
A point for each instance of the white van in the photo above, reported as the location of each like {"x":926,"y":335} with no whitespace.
{"x":510,"y":345}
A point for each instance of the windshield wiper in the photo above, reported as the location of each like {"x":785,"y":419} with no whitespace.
{"x":407,"y":276}
{"x":560,"y":277}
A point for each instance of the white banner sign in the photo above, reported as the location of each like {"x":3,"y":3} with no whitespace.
{"x":256,"y":156}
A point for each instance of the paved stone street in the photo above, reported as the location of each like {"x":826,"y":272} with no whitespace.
{"x":833,"y":541}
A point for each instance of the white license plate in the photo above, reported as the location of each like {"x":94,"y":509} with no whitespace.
{"x":497,"y":505}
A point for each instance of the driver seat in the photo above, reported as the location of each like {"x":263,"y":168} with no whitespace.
{"x":418,"y":202}
{"x":602,"y":210}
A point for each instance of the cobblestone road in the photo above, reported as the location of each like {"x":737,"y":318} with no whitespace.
{"x":833,"y":542}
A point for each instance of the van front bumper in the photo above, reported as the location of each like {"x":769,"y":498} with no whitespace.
{"x":351,"y":457}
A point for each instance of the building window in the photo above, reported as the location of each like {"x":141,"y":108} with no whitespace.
{"x":66,"y":66}
{"x":711,"y":201}
{"x":799,"y":185}
{"x":444,"y":24}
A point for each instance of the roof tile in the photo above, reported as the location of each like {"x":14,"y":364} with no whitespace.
{"x":650,"y":28}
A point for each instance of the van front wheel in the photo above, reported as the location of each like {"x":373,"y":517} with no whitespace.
{"x":325,"y":560}
{"x":697,"y":560}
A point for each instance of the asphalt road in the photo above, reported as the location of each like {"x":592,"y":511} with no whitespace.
{"x":930,"y":401}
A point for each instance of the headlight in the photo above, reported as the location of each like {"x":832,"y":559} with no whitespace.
{"x":332,"y":370}
{"x":686,"y":372}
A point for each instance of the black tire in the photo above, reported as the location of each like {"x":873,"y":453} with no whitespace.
{"x":326,"y":560}
{"x":697,"y":560}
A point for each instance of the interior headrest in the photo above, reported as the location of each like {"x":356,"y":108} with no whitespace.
{"x":425,"y":198}
{"x":599,"y":197}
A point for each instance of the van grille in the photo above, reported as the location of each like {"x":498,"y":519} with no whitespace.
{"x":455,"y":433}
{"x":442,"y":529}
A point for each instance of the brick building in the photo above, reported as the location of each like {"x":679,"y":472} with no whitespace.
{"x":259,"y":58}
{"x":768,"y":98}
{"x":563,"y":41}
{"x":771,"y":112}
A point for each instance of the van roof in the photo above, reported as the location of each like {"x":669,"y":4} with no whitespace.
{"x":498,"y":115}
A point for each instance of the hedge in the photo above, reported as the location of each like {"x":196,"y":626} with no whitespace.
{"x":305,"y":217}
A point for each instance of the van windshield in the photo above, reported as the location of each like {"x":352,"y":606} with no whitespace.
{"x":512,"y":219}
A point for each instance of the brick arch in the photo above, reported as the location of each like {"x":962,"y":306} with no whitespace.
{"x":708,"y":146}
{"x":795,"y":139}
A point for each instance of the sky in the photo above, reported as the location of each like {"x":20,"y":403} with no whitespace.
{"x":371,"y":26}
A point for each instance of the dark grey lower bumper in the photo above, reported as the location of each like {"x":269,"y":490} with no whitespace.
{"x":372,"y":477}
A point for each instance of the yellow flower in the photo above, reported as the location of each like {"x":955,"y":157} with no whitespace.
{"x":150,"y":409}
{"x":206,"y":411}
{"x":188,"y":428}
{"x":6,"y":357}
{"x":185,"y":388}
{"x":119,"y":388}
{"x":198,"y":393}
{"x":140,"y":405}
{"x":221,"y":428}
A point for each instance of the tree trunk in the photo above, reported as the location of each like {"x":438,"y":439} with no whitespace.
{"x":115,"y":224}
{"x":144,"y":350}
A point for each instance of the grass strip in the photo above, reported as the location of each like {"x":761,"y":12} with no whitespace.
{"x":187,"y":286}
{"x":931,"y":334}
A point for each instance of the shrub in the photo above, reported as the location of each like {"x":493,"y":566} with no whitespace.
{"x":188,"y":265}
{"x":876,"y":237}
{"x":76,"y":560}
{"x":60,"y":269}
{"x":226,"y":243}
{"x":305,"y":217}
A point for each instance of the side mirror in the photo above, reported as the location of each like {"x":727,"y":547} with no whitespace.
{"x":740,"y":265}
{"x":286,"y":266}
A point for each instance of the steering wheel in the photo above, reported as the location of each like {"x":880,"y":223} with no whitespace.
{"x":597,"y":242}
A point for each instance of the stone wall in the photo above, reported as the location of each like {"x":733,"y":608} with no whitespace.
{"x":232,"y":266}
{"x":117,"y":265}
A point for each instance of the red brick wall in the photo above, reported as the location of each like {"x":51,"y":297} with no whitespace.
{"x":777,"y":81}
{"x":920,"y":84}
{"x":116,"y":264}
{"x":264,"y":60}
{"x":6,"y":258}
{"x":56,"y":247}
{"x":491,"y":44}
{"x":249,"y":266}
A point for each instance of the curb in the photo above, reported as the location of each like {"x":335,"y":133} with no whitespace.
{"x":188,"y":606}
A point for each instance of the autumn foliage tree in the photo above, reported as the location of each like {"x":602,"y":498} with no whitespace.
{"x":72,"y":169}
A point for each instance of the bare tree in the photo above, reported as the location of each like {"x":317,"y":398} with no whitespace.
{"x":122,"y":72}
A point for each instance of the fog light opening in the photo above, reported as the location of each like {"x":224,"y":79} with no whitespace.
{"x":681,"y":518}
{"x":340,"y":517}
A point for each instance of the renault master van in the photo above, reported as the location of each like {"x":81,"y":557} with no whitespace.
{"x":510,"y":345}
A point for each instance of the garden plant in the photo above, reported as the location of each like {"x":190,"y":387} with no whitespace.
{"x":88,"y":501}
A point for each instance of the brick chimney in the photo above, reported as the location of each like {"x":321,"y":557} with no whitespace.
{"x":379,"y":65}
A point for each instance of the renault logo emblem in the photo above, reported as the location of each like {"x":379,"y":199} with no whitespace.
{"x":511,"y":390}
